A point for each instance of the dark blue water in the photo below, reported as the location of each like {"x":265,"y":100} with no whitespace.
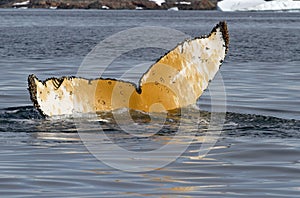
{"x":258,"y":150}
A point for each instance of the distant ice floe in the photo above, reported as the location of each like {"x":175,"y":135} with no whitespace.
{"x":173,"y":9}
{"x":258,"y":5}
{"x":24,"y":3}
{"x":139,"y":8}
{"x":159,"y":2}
{"x":23,"y":7}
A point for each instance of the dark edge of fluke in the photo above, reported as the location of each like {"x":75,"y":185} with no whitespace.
{"x":33,"y":91}
{"x":223,"y":27}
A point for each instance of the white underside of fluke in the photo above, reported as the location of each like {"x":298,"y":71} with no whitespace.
{"x":176,"y":80}
{"x":57,"y":103}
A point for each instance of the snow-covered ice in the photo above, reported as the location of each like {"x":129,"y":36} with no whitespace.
{"x":159,"y":2}
{"x":21,"y":3}
{"x":258,"y":5}
{"x":105,"y":7}
{"x":277,"y":5}
{"x":183,"y":3}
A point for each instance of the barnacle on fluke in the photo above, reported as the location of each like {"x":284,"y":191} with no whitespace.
{"x":176,"y":80}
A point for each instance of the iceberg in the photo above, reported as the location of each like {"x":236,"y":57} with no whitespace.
{"x":277,"y":5}
{"x":176,"y":80}
{"x":236,"y":5}
{"x":258,"y":5}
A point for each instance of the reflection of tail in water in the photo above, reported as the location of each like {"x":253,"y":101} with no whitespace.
{"x":176,"y":80}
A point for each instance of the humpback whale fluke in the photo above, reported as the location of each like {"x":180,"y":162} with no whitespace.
{"x":176,"y":80}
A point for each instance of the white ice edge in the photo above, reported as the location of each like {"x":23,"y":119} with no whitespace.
{"x":21,"y":3}
{"x":258,"y":5}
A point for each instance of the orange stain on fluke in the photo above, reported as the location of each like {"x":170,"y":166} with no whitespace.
{"x":176,"y":80}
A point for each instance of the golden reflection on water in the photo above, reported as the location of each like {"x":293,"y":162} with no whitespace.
{"x":183,"y":188}
{"x":57,"y":136}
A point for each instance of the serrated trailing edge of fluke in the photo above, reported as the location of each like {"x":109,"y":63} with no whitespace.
{"x":176,"y":80}
{"x":33,"y":90}
{"x":223,"y":27}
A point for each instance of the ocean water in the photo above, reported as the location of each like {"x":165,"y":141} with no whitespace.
{"x":256,"y":154}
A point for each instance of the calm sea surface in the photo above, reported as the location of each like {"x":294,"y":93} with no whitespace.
{"x":257,"y":153}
